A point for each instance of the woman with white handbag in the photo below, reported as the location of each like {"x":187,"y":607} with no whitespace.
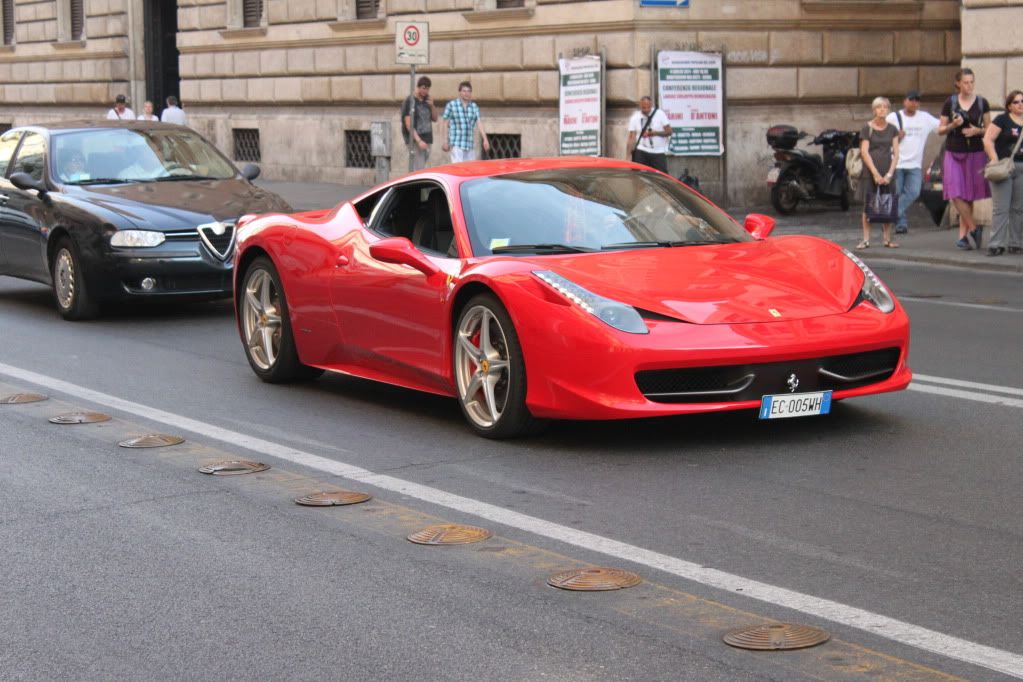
{"x":1004,"y":172}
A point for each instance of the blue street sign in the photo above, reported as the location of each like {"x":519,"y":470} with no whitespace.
{"x":664,"y":3}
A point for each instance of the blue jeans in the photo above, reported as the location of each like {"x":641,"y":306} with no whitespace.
{"x":908,"y":182}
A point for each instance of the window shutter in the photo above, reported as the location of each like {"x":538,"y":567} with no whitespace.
{"x":8,"y":22}
{"x":366,"y":9}
{"x":252,"y":13}
{"x":77,"y":19}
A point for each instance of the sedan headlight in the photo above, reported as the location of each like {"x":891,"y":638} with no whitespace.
{"x":873,"y":290}
{"x":137,"y":238}
{"x":618,"y":315}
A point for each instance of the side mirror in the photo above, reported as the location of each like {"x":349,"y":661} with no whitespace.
{"x":759,"y":225}
{"x":401,"y":251}
{"x":250,"y":172}
{"x":26,"y":182}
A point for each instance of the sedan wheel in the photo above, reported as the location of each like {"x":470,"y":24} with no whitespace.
{"x":265,"y":328}
{"x":69,"y":289}
{"x":489,"y":371}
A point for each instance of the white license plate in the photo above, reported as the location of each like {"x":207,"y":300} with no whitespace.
{"x":795,"y":405}
{"x":772,"y":175}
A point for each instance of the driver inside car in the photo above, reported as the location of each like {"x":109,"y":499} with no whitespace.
{"x":72,"y":167}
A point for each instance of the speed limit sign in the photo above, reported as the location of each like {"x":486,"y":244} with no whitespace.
{"x":412,"y":42}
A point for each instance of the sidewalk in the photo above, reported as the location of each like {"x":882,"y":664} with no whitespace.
{"x":925,"y":242}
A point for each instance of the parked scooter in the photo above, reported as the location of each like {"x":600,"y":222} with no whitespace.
{"x":799,"y":175}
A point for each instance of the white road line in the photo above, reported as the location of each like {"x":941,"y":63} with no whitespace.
{"x":967,"y":384}
{"x":956,"y":304}
{"x":966,"y":395}
{"x":939,"y":643}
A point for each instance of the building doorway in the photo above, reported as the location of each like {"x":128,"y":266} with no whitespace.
{"x":160,"y":18}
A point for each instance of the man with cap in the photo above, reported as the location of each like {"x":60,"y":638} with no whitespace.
{"x":914,"y":128}
{"x":121,"y":112}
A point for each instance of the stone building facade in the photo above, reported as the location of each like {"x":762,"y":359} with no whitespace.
{"x":309,"y":76}
{"x":992,"y":46}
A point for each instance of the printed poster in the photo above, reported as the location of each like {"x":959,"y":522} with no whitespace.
{"x":691,"y":94}
{"x":580,"y":106}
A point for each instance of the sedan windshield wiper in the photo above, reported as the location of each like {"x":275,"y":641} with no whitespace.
{"x":534,"y":248}
{"x":173,"y":178}
{"x":102,"y":181}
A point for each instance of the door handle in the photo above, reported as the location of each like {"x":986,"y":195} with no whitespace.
{"x":342,"y":260}
{"x":4,"y":199}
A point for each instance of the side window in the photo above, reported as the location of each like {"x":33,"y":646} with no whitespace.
{"x":420,"y":213}
{"x":366,"y":206}
{"x":8,"y":143}
{"x":31,"y":157}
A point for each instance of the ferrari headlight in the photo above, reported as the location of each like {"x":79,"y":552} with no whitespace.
{"x":873,"y":290}
{"x":618,"y":315}
{"x":137,"y":238}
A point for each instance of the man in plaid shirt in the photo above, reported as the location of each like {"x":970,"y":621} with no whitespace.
{"x":462,"y":116}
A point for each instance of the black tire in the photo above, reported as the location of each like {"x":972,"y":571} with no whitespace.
{"x":276,"y":360}
{"x":784,"y":196}
{"x":70,"y":291}
{"x":515,"y":418}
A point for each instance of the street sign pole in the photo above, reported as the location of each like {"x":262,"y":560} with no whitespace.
{"x":412,"y":116}
{"x":412,"y":46}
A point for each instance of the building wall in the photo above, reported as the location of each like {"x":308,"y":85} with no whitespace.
{"x":311,"y":72}
{"x":992,"y":46}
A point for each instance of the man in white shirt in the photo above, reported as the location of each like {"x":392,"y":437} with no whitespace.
{"x":650,"y":126}
{"x":121,"y":112}
{"x":914,"y":127}
{"x":173,"y":113}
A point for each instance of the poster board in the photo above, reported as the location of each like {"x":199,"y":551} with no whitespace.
{"x":691,"y":92}
{"x":580,"y":106}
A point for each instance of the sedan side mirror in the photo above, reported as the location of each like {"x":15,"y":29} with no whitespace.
{"x":759,"y":225}
{"x":250,"y":172}
{"x":401,"y":251}
{"x":26,"y":182}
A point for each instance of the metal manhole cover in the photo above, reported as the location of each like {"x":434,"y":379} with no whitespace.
{"x":234,"y":467}
{"x":775,"y":637}
{"x":152,"y":440}
{"x":80,"y":418}
{"x":594,"y":579}
{"x":22,"y":398}
{"x":332,"y":498}
{"x":449,"y":534}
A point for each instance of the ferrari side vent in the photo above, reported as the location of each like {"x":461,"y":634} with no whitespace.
{"x":859,"y":367}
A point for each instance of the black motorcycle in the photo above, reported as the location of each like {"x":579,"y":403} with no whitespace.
{"x":799,"y":175}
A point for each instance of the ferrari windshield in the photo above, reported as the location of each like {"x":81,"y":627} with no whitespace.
{"x":573,"y":210}
{"x":108,"y":155}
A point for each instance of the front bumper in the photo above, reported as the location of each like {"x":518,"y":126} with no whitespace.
{"x":180,"y":270}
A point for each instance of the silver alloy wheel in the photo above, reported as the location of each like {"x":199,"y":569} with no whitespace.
{"x":261,"y":318}
{"x":482,"y":370}
{"x":64,"y":278}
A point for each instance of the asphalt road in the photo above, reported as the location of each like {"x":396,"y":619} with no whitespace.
{"x":902,"y":511}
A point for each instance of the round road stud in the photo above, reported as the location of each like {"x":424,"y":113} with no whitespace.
{"x":449,"y":534}
{"x":775,"y":637}
{"x":332,"y":498}
{"x":234,"y":467}
{"x":152,"y":440}
{"x":596,"y":579}
{"x":80,"y":418}
{"x":22,"y":398}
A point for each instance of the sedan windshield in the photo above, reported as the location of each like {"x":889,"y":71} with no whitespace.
{"x":589,"y":209}
{"x":112,"y":155}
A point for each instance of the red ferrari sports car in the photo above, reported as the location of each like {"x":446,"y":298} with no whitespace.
{"x":573,"y":288}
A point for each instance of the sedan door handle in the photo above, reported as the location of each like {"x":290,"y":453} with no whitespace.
{"x":342,"y":260}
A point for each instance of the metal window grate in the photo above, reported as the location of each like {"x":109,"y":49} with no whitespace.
{"x":4,"y":127}
{"x":505,"y":146}
{"x":366,"y":9}
{"x":357,"y":149}
{"x":252,"y":13}
{"x":8,"y":16}
{"x":77,"y":19}
{"x":246,"y":144}
{"x":504,"y":4}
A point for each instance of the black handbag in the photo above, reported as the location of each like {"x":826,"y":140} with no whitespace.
{"x":882,"y":206}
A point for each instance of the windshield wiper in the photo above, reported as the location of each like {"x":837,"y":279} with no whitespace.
{"x":553,"y":248}
{"x":103,"y":181}
{"x":173,"y":178}
{"x":661,"y":244}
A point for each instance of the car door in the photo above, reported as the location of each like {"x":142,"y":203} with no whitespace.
{"x":393,"y":316}
{"x":8,"y":145}
{"x":23,"y":230}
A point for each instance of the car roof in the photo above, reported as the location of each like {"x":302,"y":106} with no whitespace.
{"x":476,"y":169}
{"x":91,"y":124}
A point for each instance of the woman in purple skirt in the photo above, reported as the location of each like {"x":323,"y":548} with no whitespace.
{"x":964,"y":117}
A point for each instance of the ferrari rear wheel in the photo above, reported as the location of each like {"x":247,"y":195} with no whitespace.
{"x":266,"y":327}
{"x":69,"y":289}
{"x":489,"y":371}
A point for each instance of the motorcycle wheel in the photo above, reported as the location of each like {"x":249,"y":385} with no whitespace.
{"x":785,"y":195}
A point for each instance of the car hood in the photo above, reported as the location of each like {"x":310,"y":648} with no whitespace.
{"x":181,"y":204}
{"x":786,"y":278}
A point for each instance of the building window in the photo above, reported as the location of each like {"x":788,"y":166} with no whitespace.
{"x":77,"y":19}
{"x":352,"y":10}
{"x":357,"y":149}
{"x":505,"y":146}
{"x":252,"y":13}
{"x":7,"y":17}
{"x":489,"y":5}
{"x":246,"y":144}
{"x":70,"y":21}
{"x":366,"y":9}
{"x":505,"y":4}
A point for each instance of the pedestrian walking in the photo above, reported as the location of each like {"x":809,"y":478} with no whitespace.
{"x":462,"y":117}
{"x":649,"y":131}
{"x":121,"y":112}
{"x":417,"y":117}
{"x":1002,"y":140}
{"x":964,"y":118}
{"x":173,"y":113}
{"x":915,"y":126}
{"x":147,"y":112}
{"x":879,"y":148}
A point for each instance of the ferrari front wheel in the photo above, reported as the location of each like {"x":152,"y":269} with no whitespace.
{"x":489,"y":371}
{"x":266,"y":329}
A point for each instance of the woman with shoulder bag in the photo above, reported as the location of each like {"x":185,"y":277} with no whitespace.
{"x":879,"y":149}
{"x":1002,"y":143}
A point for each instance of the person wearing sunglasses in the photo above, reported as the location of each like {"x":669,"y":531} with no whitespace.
{"x":1000,"y":140}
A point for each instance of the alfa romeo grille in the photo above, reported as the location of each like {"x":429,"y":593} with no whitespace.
{"x":218,"y":238}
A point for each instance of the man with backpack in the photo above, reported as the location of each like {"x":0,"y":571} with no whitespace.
{"x":417,"y":117}
{"x":914,"y":126}
{"x":649,"y":131}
